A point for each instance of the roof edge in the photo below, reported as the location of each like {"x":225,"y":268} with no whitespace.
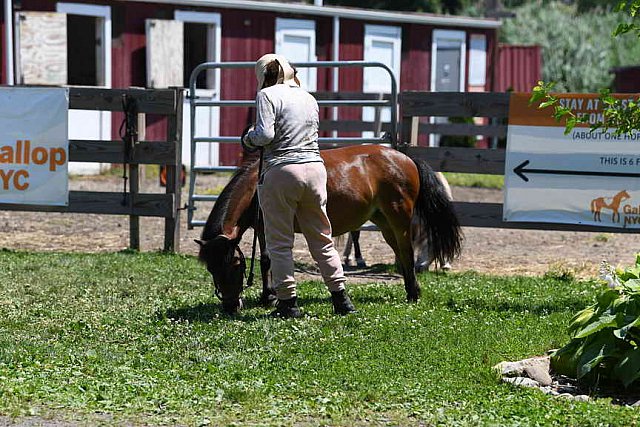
{"x":362,"y":14}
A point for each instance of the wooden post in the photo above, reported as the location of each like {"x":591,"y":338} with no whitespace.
{"x":174,"y":181}
{"x":410,"y":126}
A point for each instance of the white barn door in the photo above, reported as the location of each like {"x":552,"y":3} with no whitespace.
{"x":69,"y":47}
{"x":296,"y":41}
{"x":381,"y":44}
{"x":89,"y":64}
{"x":202,"y":43}
{"x":448,"y":66}
{"x":174,"y":49}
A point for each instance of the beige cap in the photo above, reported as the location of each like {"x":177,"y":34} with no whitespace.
{"x":286,"y":75}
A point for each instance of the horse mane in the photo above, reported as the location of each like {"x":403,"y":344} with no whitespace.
{"x":215,"y":221}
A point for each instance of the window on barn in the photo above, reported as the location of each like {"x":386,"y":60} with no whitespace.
{"x":195,"y":53}
{"x":84,"y":51}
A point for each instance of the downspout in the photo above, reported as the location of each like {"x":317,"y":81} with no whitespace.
{"x":8,"y":40}
{"x":336,"y":57}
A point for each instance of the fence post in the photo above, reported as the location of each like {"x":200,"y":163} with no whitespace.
{"x":174,"y":179}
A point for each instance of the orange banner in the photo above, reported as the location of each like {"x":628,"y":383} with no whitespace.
{"x":582,"y":104}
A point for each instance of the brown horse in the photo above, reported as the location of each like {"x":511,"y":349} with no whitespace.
{"x":600,"y":202}
{"x":402,"y":196}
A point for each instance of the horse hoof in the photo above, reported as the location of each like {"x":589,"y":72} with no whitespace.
{"x":232,"y":307}
{"x":361,"y":264}
{"x":413,"y":297}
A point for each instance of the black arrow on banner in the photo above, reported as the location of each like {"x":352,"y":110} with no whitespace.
{"x":520,"y":171}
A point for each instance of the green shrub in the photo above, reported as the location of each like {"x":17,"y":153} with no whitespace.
{"x":458,"y":140}
{"x":605,"y":344}
{"x":578,"y":51}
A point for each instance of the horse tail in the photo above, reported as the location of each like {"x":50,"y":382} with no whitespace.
{"x":593,"y":206}
{"x":435,"y":217}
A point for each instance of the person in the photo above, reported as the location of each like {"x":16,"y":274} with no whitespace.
{"x":293,"y":185}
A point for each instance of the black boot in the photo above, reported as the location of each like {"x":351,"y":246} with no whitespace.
{"x":341,"y":303}
{"x":287,"y":309}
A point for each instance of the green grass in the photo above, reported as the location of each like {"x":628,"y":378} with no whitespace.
{"x":474,"y":180}
{"x":138,"y":338}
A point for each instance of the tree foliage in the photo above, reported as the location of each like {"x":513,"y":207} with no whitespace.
{"x":578,"y":50}
{"x":624,"y":117}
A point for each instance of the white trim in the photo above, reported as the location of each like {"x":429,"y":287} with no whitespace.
{"x":448,"y":35}
{"x":100,"y":12}
{"x":444,"y":36}
{"x":477,"y":60}
{"x":214,"y":19}
{"x":8,"y":41}
{"x":305,"y":28}
{"x":361,"y":14}
{"x":386,"y":34}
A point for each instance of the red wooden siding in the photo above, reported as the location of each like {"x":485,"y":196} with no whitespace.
{"x":415,"y":69}
{"x":246,"y":36}
{"x":351,"y":79}
{"x":518,"y":68}
{"x":627,"y":79}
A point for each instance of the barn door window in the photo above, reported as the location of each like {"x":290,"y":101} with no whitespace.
{"x":88,"y":44}
{"x":296,"y":41}
{"x":381,"y":44}
{"x":202,"y":34}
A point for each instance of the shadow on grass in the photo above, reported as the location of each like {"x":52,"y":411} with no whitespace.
{"x":209,"y":312}
{"x":459,"y":306}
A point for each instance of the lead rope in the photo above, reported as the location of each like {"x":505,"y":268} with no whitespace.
{"x":256,"y":225}
{"x":129,"y":134}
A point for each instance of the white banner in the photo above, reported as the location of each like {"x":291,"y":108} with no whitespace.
{"x":583,"y":177}
{"x":34,"y":146}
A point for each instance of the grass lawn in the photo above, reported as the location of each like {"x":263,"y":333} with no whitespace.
{"x":475,"y":180}
{"x":139,"y":338}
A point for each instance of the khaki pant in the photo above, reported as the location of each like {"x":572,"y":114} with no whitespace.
{"x":300,"y":191}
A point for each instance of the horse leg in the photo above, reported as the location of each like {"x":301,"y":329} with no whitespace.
{"x":399,"y":238}
{"x":356,"y":247}
{"x":346,"y":254}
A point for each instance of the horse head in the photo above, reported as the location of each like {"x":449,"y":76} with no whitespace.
{"x":226,"y":264}
{"x":624,"y":195}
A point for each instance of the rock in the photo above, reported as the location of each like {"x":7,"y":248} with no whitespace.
{"x":637,"y":404}
{"x":582,"y":398}
{"x":536,"y":368}
{"x":521,"y":381}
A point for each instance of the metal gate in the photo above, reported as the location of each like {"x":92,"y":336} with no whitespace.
{"x":195,"y":102}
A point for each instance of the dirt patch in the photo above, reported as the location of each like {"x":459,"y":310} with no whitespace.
{"x":486,"y":250}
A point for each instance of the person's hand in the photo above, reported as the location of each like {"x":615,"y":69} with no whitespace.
{"x":246,"y":142}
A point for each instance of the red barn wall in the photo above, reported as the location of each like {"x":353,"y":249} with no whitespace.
{"x":518,"y":68}
{"x":247,"y":35}
{"x":627,"y":79}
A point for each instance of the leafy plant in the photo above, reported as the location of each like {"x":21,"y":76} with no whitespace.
{"x":624,"y":115}
{"x":605,"y":344}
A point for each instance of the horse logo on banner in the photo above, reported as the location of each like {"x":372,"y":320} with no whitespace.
{"x":601,"y":202}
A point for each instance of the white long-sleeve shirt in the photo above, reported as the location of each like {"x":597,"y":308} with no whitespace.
{"x":286,"y":125}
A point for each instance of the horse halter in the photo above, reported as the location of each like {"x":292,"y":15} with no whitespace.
{"x":241,"y":257}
